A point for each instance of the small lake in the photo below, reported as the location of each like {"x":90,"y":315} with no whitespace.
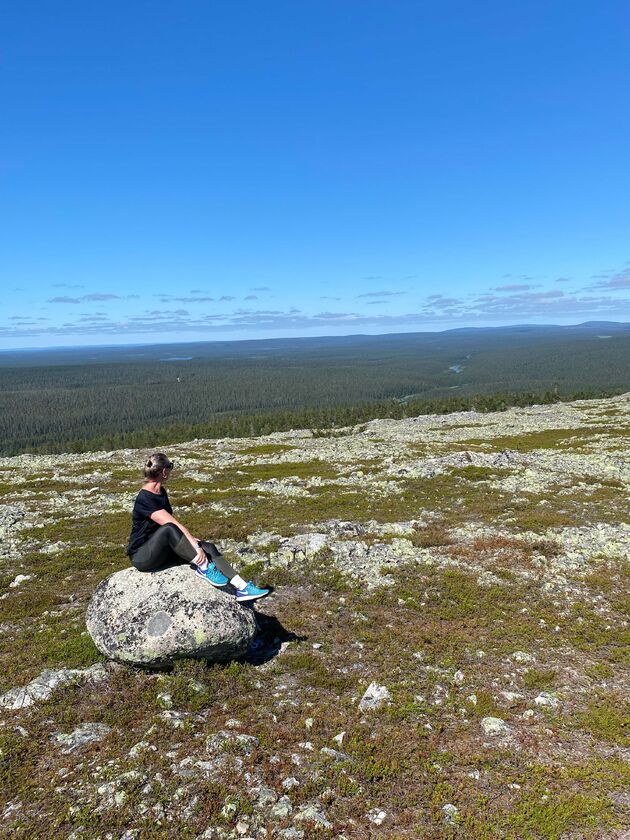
{"x":177,"y":359}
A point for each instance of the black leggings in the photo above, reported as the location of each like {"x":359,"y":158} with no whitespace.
{"x":169,"y":547}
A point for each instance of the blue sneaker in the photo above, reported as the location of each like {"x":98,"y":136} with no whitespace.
{"x":250,"y":593}
{"x":212,"y":575}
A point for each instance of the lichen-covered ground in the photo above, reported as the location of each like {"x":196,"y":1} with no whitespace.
{"x":474,"y":565}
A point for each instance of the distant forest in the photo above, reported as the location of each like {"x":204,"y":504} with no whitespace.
{"x":107,"y":398}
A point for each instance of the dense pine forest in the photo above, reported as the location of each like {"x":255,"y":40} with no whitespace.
{"x":105,"y":398}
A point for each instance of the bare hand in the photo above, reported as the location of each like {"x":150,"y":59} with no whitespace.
{"x":200,"y":556}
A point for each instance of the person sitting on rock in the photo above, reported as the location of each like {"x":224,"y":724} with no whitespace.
{"x":158,"y":540}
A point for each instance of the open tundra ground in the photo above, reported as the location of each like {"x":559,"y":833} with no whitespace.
{"x":473,"y":565}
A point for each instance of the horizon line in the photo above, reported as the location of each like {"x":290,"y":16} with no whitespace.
{"x":51,"y":347}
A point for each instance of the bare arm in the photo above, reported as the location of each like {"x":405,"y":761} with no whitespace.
{"x":162,"y":517}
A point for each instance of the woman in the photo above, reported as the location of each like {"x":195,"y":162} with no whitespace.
{"x":158,"y":540}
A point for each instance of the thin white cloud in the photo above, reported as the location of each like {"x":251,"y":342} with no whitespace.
{"x":614,"y":282}
{"x":64,"y":299}
{"x":192,"y":299}
{"x":380,"y":294}
{"x":491,"y":308}
{"x":94,"y":296}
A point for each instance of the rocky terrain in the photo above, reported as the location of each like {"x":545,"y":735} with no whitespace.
{"x":446,"y":652}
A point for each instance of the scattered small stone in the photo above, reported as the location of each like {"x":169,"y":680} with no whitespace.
{"x":289,"y":783}
{"x":495,"y":727}
{"x":339,"y":738}
{"x":19,"y":580}
{"x":376,"y":816}
{"x":312,"y":813}
{"x":242,"y":827}
{"x":523,"y":656}
{"x":338,"y":756}
{"x":214,"y":743}
{"x":512,"y":697}
{"x":265,"y":796}
{"x":450,"y":813}
{"x":176,"y":719}
{"x":141,"y":746}
{"x":546,"y":699}
{"x":375,"y":696}
{"x":282,"y":809}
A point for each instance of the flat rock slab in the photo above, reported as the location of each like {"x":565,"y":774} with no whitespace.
{"x":154,"y":618}
{"x":42,"y":687}
{"x":79,"y":737}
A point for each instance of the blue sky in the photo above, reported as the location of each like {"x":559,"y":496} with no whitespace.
{"x":214,"y":170}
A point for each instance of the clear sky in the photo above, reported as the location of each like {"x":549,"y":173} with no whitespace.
{"x":206,"y":170}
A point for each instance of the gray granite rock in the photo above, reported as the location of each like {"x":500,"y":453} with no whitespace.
{"x":43,"y":685}
{"x":154,"y":618}
{"x":495,"y":727}
{"x":282,"y":809}
{"x":311,"y":812}
{"x":374,"y":697}
{"x":87,"y":733}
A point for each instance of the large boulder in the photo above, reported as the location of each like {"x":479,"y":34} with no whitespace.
{"x":153,"y":618}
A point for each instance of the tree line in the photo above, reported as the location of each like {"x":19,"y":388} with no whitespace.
{"x":82,"y":407}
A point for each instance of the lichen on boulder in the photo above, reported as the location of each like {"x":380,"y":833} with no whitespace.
{"x":153,"y":618}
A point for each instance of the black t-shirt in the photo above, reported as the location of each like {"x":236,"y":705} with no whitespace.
{"x":142,"y":526}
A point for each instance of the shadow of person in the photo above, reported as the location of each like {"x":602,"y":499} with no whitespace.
{"x":269,"y":639}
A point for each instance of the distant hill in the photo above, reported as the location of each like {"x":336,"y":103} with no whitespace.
{"x":133,"y":353}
